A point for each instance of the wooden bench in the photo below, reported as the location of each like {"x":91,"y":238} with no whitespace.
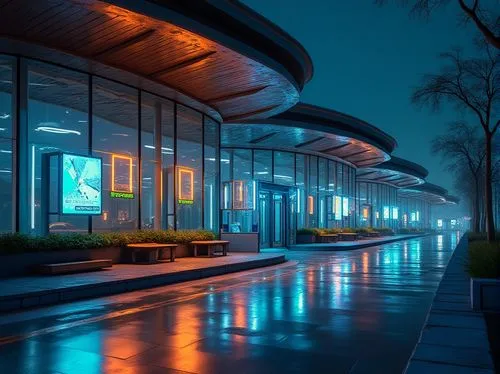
{"x":328,"y":238}
{"x":150,"y":251}
{"x":345,"y":236}
{"x":73,"y":267}
{"x":211,"y":246}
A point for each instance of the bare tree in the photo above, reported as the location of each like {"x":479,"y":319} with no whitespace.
{"x":485,"y":14}
{"x":462,"y":151}
{"x":472,"y":85}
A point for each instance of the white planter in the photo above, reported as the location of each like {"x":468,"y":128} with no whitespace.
{"x":485,"y":294}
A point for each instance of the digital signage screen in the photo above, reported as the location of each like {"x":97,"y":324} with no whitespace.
{"x":81,"y":185}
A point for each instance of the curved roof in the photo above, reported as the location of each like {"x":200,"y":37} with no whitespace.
{"x":312,"y":129}
{"x":397,"y":172}
{"x":221,"y":54}
{"x":430,"y":192}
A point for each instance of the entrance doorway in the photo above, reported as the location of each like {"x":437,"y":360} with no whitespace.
{"x":272,"y":218}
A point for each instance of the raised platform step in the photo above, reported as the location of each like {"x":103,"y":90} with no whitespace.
{"x":35,"y":291}
{"x":73,"y":267}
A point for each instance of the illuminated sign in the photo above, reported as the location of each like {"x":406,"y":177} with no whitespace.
{"x":338,"y":208}
{"x":81,"y":185}
{"x":121,"y":195}
{"x":239,"y":195}
{"x":365,"y":213}
{"x":418,"y":216}
{"x":413,"y":216}
{"x":121,"y":173}
{"x":395,"y":213}
{"x":345,"y":206}
{"x":440,"y":223}
{"x":377,"y":215}
{"x":386,"y":212}
{"x":310,"y":204}
{"x":185,"y":185}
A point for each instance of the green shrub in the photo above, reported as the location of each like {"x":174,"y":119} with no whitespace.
{"x":473,"y":236}
{"x":19,"y":243}
{"x":484,"y":259}
{"x":306,"y":231}
{"x":384,"y":230}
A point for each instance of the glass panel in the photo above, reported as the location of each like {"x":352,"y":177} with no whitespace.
{"x":301,"y":177}
{"x":115,"y":139}
{"x":262,"y":165}
{"x":189,"y":170}
{"x":157,"y":159}
{"x":284,"y":168}
{"x":242,"y":164}
{"x":211,"y":209}
{"x":57,"y":121}
{"x":6,"y":143}
{"x":312,"y":193}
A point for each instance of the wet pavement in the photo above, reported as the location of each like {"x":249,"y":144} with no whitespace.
{"x":343,"y":312}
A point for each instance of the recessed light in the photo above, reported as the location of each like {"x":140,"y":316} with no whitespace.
{"x":56,"y":130}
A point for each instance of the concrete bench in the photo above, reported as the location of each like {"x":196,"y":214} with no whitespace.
{"x":150,"y":251}
{"x":328,"y":238}
{"x":73,"y":267}
{"x":211,"y":246}
{"x":345,"y":236}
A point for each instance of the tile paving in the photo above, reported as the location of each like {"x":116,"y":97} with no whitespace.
{"x":344,"y":312}
{"x":454,"y":338}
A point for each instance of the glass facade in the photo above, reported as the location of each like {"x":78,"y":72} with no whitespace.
{"x":160,"y":159}
{"x":377,"y":205}
{"x":319,"y":192}
{"x":7,"y":142}
{"x":414,"y":213}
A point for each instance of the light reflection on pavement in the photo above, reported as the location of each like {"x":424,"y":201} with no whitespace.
{"x":330,"y":312}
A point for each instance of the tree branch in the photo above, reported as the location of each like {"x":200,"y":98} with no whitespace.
{"x":483,"y":28}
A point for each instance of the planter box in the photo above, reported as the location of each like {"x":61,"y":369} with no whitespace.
{"x":485,"y":294}
{"x":306,"y":239}
{"x":242,"y":242}
{"x":22,"y":263}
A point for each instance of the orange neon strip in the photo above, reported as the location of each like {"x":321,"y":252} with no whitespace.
{"x":184,"y":170}
{"x":310,"y":203}
{"x":121,"y":157}
{"x":238,"y":186}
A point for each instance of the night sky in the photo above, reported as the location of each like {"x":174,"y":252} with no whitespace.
{"x":367,"y":59}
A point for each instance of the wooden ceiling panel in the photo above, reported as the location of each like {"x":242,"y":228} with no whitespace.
{"x":153,"y":49}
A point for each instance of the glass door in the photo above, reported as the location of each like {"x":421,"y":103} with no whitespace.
{"x":265,"y":219}
{"x":278,"y":220}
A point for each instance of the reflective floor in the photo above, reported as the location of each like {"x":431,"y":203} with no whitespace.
{"x":343,"y":312}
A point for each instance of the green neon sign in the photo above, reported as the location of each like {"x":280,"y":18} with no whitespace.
{"x":121,"y":195}
{"x":185,"y":202}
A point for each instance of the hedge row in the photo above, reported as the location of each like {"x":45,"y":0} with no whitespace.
{"x":19,"y":243}
{"x":362,"y":230}
{"x":484,"y":259}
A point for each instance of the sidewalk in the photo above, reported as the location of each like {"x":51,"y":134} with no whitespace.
{"x":454,"y":338}
{"x":350,"y":245}
{"x":33,"y":291}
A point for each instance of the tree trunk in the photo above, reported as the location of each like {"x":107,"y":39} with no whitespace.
{"x":488,"y":195}
{"x":476,"y":206}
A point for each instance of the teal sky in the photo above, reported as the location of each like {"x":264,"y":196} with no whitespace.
{"x":367,"y":59}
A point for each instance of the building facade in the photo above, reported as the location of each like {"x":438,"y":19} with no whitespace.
{"x":194,"y":118}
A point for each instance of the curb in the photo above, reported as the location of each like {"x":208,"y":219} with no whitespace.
{"x":314,"y":247}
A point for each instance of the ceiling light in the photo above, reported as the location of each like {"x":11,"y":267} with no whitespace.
{"x":5,"y":151}
{"x":119,"y":134}
{"x":4,"y":116}
{"x":56,"y":130}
